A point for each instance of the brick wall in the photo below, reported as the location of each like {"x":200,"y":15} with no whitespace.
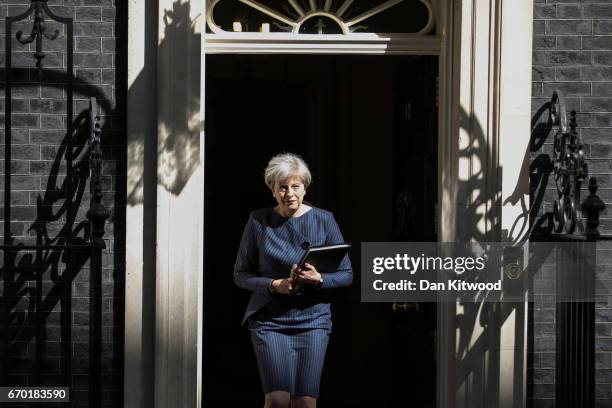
{"x":38,"y":167}
{"x":572,"y":52}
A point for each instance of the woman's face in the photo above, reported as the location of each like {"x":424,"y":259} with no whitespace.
{"x":289,"y":194}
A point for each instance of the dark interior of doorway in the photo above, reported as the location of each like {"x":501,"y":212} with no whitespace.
{"x":367,"y":126}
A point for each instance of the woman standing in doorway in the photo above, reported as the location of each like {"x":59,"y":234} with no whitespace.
{"x":289,"y":332}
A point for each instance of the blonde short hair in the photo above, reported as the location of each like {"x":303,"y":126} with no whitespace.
{"x":285,"y":165}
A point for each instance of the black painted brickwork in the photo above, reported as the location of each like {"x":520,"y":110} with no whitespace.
{"x":572,"y":52}
{"x":39,"y":128}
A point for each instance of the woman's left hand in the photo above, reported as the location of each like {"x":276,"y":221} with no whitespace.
{"x":307,"y":275}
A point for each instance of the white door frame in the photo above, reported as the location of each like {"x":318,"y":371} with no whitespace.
{"x":163,"y":321}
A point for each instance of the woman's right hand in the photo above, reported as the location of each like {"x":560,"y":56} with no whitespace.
{"x":283,"y":286}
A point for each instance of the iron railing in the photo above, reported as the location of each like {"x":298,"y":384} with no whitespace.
{"x":66,"y":247}
{"x":576,"y":223}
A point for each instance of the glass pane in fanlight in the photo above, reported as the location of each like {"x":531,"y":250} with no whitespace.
{"x":357,"y":7}
{"x":228,"y":12}
{"x":320,"y":25}
{"x":283,"y":7}
{"x":409,"y":16}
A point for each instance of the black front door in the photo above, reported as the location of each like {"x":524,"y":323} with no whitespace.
{"x":366,"y":125}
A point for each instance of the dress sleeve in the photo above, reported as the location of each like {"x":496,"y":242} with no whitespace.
{"x":246,"y":261}
{"x":344,"y":275}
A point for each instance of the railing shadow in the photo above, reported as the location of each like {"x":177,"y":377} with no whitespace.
{"x":479,"y":324}
{"x":178,"y":136}
{"x":29,"y":266}
{"x":44,"y":265}
{"x":52,"y":257}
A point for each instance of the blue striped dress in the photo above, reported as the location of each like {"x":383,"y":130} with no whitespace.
{"x":289,"y":333}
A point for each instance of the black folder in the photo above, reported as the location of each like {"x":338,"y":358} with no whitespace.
{"x":326,"y":258}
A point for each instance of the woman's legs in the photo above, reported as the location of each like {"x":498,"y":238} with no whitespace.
{"x":276,"y":365}
{"x":300,"y":401}
{"x":290,"y":363}
{"x":311,"y":346}
{"x":277,"y":399}
{"x":281,"y":399}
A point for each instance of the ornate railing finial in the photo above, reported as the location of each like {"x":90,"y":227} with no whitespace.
{"x":38,"y":30}
{"x":97,"y":213}
{"x":592,"y":206}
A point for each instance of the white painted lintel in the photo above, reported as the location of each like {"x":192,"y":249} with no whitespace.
{"x":247,"y":43}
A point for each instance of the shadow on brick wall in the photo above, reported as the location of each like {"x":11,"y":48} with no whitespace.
{"x":41,"y":280}
{"x":47,"y":282}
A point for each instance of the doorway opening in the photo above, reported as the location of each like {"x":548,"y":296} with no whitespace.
{"x":367,"y":127}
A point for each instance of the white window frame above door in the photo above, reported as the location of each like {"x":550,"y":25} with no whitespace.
{"x":287,"y":43}
{"x":423,"y":42}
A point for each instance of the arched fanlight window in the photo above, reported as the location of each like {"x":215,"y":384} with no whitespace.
{"x":321,"y":16}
